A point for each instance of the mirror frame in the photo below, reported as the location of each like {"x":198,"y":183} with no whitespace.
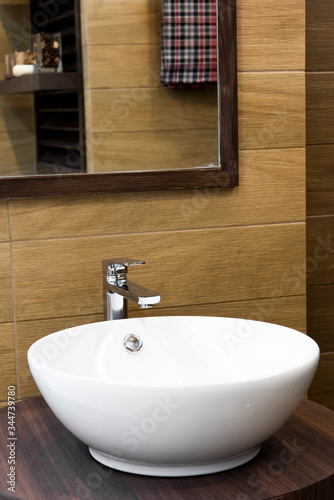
{"x":225,"y":175}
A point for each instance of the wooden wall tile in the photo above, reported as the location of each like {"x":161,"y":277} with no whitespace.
{"x":124,"y":65}
{"x":286,"y":311}
{"x":320,"y":250}
{"x":320,"y":315}
{"x":27,"y":333}
{"x":123,"y":22}
{"x":17,"y":148}
{"x":320,"y":179}
{"x":16,"y":113}
{"x":271,"y":35}
{"x":268,"y":179}
{"x":319,"y":108}
{"x":261,"y":30}
{"x":4,"y":227}
{"x":6,"y":308}
{"x":321,"y":390}
{"x":271,"y":110}
{"x":7,"y":359}
{"x":64,"y":278}
{"x":320,"y":167}
{"x":151,"y":109}
{"x":320,"y":202}
{"x":319,"y":35}
{"x":175,"y":149}
{"x":8,"y":170}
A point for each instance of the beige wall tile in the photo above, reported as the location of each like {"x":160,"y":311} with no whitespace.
{"x":271,"y":110}
{"x":268,"y":179}
{"x":286,"y":311}
{"x":17,"y":148}
{"x":6,"y":308}
{"x":4,"y":227}
{"x":119,"y":152}
{"x":152,"y":109}
{"x":271,"y":35}
{"x":16,"y":113}
{"x":125,"y":21}
{"x":64,"y":278}
{"x":132,"y":65}
{"x":27,"y":333}
{"x":7,"y":360}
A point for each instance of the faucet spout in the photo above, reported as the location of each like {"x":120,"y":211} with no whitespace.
{"x":117,"y":290}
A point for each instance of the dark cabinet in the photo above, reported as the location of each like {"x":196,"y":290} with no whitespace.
{"x":58,"y":97}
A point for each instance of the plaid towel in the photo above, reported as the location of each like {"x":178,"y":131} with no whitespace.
{"x":189,"y":42}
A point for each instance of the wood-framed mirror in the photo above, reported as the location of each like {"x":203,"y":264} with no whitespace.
{"x":223,"y":175}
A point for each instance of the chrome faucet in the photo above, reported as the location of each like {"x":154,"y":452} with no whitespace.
{"x":117,"y":290}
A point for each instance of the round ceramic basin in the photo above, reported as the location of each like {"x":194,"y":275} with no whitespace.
{"x":199,"y":396}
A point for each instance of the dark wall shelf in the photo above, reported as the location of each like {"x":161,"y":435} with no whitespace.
{"x":58,"y":97}
{"x":41,"y":82}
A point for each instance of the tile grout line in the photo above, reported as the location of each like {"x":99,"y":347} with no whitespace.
{"x":13,"y":301}
{"x":136,"y":233}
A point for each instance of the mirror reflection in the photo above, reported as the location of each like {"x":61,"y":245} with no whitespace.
{"x":145,"y":101}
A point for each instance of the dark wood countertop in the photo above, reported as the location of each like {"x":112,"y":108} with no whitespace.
{"x":297,"y":463}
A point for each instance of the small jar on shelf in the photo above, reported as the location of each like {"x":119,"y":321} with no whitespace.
{"x":47,"y":52}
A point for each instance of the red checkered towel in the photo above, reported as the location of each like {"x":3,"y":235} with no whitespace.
{"x":189,"y":42}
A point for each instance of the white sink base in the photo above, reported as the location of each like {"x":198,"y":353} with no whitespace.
{"x":147,"y":469}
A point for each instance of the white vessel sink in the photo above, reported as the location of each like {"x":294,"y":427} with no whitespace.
{"x":200,"y":396}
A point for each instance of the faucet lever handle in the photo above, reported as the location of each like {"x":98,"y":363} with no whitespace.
{"x":115,"y":269}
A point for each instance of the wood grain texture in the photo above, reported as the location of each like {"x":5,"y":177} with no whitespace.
{"x":296,"y":463}
{"x":271,"y":110}
{"x":320,"y":179}
{"x":320,"y":315}
{"x":322,"y":387}
{"x":320,"y":250}
{"x":266,"y":178}
{"x":271,"y":36}
{"x":122,"y":22}
{"x":153,"y":150}
{"x":134,"y":110}
{"x":320,"y":202}
{"x":260,"y":31}
{"x":29,"y":332}
{"x":17,"y":147}
{"x":4,"y":226}
{"x":7,"y":357}
{"x":6,"y":307}
{"x":16,"y":113}
{"x":16,"y":170}
{"x":136,"y":65}
{"x":319,"y":108}
{"x":267,"y":269}
{"x":319,"y":35}
{"x":286,"y":311}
